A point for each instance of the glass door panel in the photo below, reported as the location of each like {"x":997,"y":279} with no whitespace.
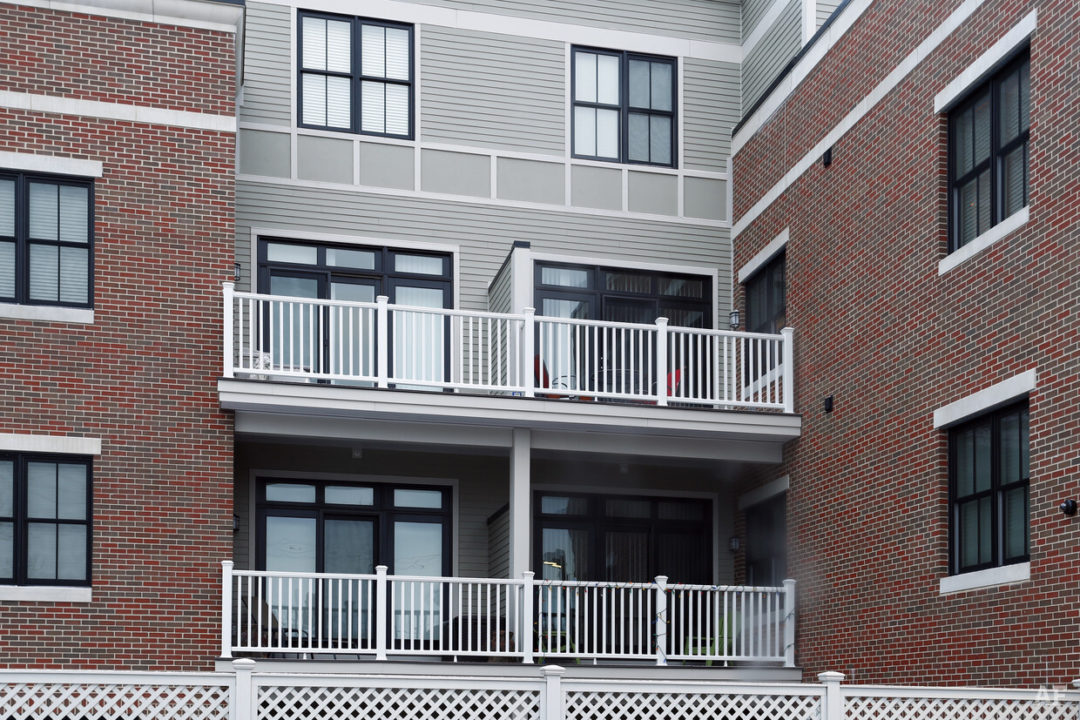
{"x":626,"y":559}
{"x":419,"y":349}
{"x":568,"y":356}
{"x":352,"y":330}
{"x":417,"y":605}
{"x":290,"y":547}
{"x":292,"y":334}
{"x":348,"y":547}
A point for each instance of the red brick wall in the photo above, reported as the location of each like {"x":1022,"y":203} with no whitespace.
{"x":142,"y":376}
{"x":880,"y":330}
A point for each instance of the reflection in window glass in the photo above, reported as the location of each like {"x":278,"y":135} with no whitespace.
{"x":344,"y":495}
{"x":565,"y":554}
{"x":283,"y":252}
{"x":289,"y":492}
{"x":563,"y":505}
{"x":360,"y":259}
{"x":564,"y":277}
{"x":418,"y":264}
{"x":418,"y":498}
{"x":627,"y":508}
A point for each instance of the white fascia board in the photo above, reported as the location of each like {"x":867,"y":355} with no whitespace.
{"x":56,"y":444}
{"x":989,"y":398}
{"x":992,"y":577}
{"x":986,"y":63}
{"x":218,"y":17}
{"x":969,"y":250}
{"x":116,"y":111}
{"x":50,"y":164}
{"x":766,"y":254}
{"x":765,"y":492}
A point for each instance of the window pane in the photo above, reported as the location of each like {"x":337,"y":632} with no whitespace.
{"x":7,"y":207}
{"x":418,"y":548}
{"x":419,"y":297}
{"x":74,"y":203}
{"x":1010,"y":107}
{"x":968,"y":199}
{"x":683,"y":317}
{"x":563,"y":505}
{"x":661,"y":86}
{"x":397,"y":110}
{"x":338,"y":102}
{"x":314,"y":39}
{"x":628,"y":282}
{"x":41,"y":551}
{"x":607,"y":79}
{"x":41,"y":490}
{"x":627,"y":508}
{"x":681,"y":287}
{"x":74,"y":275}
{"x":342,"y":495}
{"x":1016,"y":523}
{"x":314,"y":101}
{"x":281,"y":252}
{"x":71,"y":496}
{"x":361,"y":259}
{"x":584,"y":131}
{"x":418,"y":498}
{"x":353,"y":292}
{"x":373,"y":51}
{"x":564,"y":277}
{"x":565,"y":554}
{"x":638,"y":137}
{"x":418,"y":264}
{"x":982,"y":128}
{"x":969,"y":534}
{"x":984,"y":201}
{"x":7,"y":269}
{"x":7,"y":488}
{"x":682,"y":510}
{"x":71,"y":555}
{"x":576,"y":309}
{"x":985,"y":527}
{"x":338,"y":46}
{"x":963,"y":142}
{"x":607,"y":133}
{"x":44,"y":273}
{"x":1009,"y":454}
{"x":660,"y":140}
{"x":290,"y":544}
{"x":640,"y":84}
{"x":1024,"y":470}
{"x":982,"y":457}
{"x":397,"y":53}
{"x":626,"y":555}
{"x":1015,"y":180}
{"x":349,"y":546}
{"x":7,"y":550}
{"x":965,"y":466}
{"x":585,"y":77}
{"x":43,"y":211}
{"x":373,"y":107}
{"x":1025,"y":95}
{"x":290,"y":492}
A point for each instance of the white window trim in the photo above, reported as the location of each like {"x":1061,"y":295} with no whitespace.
{"x":766,"y":492}
{"x":46,"y":593}
{"x":969,"y":250}
{"x":985,"y":400}
{"x":51,"y":164}
{"x":55,"y":444}
{"x":991,"y":577}
{"x":47,"y":313}
{"x":766,"y":254}
{"x":978,"y":71}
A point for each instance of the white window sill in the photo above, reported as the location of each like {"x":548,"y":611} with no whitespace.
{"x":48,"y":313}
{"x":1014,"y":222}
{"x":46,"y":593}
{"x":992,"y":577}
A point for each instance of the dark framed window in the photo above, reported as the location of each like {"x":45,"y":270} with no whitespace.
{"x":46,"y":240}
{"x":622,"y":538}
{"x":45,"y":520}
{"x":624,"y":107}
{"x":988,"y":490}
{"x":988,"y":153}
{"x":766,"y":297}
{"x":355,"y":75}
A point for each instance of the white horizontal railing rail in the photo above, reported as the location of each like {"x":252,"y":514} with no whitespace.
{"x":383,"y":615}
{"x":376,"y":344}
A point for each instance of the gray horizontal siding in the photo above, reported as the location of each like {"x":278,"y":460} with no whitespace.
{"x":267,"y":96}
{"x":483,"y":233}
{"x":825,"y":8}
{"x":711,"y":20}
{"x":711,"y":108}
{"x":492,"y":90}
{"x":499,"y":299}
{"x":752,"y":12}
{"x":770,"y":55}
{"x":499,"y":544}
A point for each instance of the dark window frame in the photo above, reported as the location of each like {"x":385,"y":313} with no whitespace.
{"x":773,"y":317}
{"x":623,"y":107}
{"x":21,"y":520}
{"x":354,"y":75}
{"x":998,"y":151}
{"x":23,"y":242}
{"x":996,"y":493}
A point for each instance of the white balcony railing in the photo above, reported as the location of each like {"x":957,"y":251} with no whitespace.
{"x":377,"y":344}
{"x":381,"y":615}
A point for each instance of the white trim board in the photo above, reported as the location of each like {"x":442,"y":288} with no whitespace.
{"x":116,"y":111}
{"x":50,"y":164}
{"x":592,"y":35}
{"x":48,"y":313}
{"x":764,"y":255}
{"x":1014,"y":222}
{"x":861,"y":109}
{"x":991,"y":577}
{"x":182,"y":13}
{"x":45,"y":593}
{"x":986,"y":63}
{"x":989,"y":398}
{"x":58,"y":444}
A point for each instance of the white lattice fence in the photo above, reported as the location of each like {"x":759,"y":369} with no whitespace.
{"x":1044,"y":706}
{"x":113,"y":701}
{"x":689,"y":706}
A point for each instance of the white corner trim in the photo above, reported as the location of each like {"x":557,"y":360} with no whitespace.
{"x":764,"y":24}
{"x":47,"y":313}
{"x":59,"y":444}
{"x":764,"y":255}
{"x":992,"y":577}
{"x":986,"y":63}
{"x":765,"y":492}
{"x":45,"y":593}
{"x":987,"y":399}
{"x":1015,"y":221}
{"x":50,"y":164}
{"x":181,"y":13}
{"x":809,"y":20}
{"x":859,"y":111}
{"x":116,"y":111}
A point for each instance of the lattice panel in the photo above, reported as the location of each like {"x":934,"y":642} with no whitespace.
{"x":294,"y":703}
{"x":688,"y":706}
{"x":47,"y":701}
{"x":926,"y":708}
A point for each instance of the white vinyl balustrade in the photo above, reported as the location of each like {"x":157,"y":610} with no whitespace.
{"x":271,"y":337}
{"x":386,"y":615}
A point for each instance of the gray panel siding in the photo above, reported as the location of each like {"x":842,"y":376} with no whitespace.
{"x":492,"y":90}
{"x":711,"y":108}
{"x":710,"y":20}
{"x":753,"y":11}
{"x":267,"y":73}
{"x":499,"y":545}
{"x":479,"y":498}
{"x":770,"y":55}
{"x":483,"y":233}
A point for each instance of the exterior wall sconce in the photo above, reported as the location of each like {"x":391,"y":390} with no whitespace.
{"x":828,"y":403}
{"x":236,"y":272}
{"x":236,"y":523}
{"x":1068,"y":507}
{"x":733,"y":543}
{"x":733,"y":318}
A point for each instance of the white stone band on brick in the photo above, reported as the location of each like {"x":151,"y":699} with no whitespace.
{"x":766,"y":254}
{"x":991,"y":577}
{"x":59,"y":444}
{"x":994,"y":396}
{"x":50,"y":164}
{"x":987,"y":63}
{"x":181,"y":13}
{"x":117,"y":111}
{"x":970,"y":249}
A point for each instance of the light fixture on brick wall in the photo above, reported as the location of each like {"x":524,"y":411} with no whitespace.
{"x":733,"y":319}
{"x":828,"y":404}
{"x":1068,"y":507}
